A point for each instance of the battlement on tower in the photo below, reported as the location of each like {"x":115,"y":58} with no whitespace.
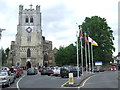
{"x":21,"y":8}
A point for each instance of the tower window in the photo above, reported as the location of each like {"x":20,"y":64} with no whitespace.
{"x":29,"y":38}
{"x":31,"y":20}
{"x":26,"y":20}
{"x":28,"y":53}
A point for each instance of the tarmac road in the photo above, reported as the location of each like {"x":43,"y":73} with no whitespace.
{"x":108,"y":79}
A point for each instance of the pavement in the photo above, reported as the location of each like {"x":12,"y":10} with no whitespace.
{"x":78,"y":81}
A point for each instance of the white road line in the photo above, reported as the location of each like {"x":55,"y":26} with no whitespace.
{"x":64,"y":84}
{"x":19,"y":81}
{"x":83,"y":84}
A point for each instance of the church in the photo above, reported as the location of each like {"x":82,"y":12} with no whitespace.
{"x":30,"y":48}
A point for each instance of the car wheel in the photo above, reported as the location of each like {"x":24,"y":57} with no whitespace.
{"x":62,"y":76}
{"x":8,"y":83}
{"x":13,"y":80}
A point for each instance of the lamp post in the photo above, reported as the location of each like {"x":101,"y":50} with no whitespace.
{"x":0,"y":47}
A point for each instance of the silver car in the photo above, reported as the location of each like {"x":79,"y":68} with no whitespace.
{"x":6,"y":78}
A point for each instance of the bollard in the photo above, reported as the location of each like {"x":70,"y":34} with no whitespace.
{"x":71,"y":78}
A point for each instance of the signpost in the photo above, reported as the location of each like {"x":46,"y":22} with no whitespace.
{"x":98,"y":63}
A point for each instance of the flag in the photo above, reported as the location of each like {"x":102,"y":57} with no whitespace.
{"x":81,"y":35}
{"x":92,"y":41}
{"x":86,"y":40}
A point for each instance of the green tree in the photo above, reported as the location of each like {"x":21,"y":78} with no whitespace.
{"x":98,"y":29}
{"x":66,"y":55}
{"x":5,"y":54}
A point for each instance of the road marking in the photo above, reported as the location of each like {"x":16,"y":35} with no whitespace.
{"x":83,"y":84}
{"x":64,"y":84}
{"x":19,"y":81}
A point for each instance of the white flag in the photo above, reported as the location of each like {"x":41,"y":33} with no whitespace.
{"x":92,"y":41}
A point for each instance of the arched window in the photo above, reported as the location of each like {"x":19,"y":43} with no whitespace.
{"x":31,"y":19}
{"x":28,"y":53}
{"x":45,"y":57}
{"x":26,"y":20}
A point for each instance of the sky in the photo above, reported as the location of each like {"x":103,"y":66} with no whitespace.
{"x":60,"y":18}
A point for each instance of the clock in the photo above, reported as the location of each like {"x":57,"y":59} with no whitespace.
{"x":29,"y":29}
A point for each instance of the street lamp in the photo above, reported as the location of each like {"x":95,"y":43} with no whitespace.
{"x":0,"y":49}
{"x":1,"y":32}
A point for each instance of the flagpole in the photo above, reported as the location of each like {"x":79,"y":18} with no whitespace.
{"x":81,"y":50}
{"x":89,"y":55}
{"x":92,"y":58}
{"x":77,"y":56}
{"x":86,"y":53}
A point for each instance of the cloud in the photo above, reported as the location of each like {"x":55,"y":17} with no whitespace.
{"x":59,"y":17}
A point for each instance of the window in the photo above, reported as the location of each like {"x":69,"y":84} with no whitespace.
{"x":26,"y":20}
{"x":45,"y":57}
{"x":28,"y":53}
{"x":29,"y":38}
{"x":31,"y":20}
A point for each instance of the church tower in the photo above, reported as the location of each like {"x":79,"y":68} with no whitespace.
{"x":30,"y":49}
{"x":29,"y":45}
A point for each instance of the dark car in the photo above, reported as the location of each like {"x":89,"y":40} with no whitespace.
{"x":99,"y":69}
{"x":46,"y":71}
{"x":32,"y":71}
{"x":49,"y":71}
{"x":65,"y":70}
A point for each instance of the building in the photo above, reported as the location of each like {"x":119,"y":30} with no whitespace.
{"x":30,"y":48}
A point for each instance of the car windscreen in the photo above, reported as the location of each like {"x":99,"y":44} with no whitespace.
{"x":3,"y":73}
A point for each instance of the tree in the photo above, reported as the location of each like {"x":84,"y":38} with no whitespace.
{"x":5,"y":54}
{"x":98,"y":29}
{"x":66,"y":55}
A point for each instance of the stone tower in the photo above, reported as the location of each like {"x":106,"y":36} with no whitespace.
{"x":30,"y":47}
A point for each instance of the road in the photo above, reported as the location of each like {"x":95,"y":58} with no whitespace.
{"x":99,"y":80}
{"x":103,"y":80}
{"x":38,"y":81}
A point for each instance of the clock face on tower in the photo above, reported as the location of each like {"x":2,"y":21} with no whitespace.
{"x":29,"y":29}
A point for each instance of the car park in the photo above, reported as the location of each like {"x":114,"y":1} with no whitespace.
{"x":65,"y":70}
{"x":32,"y":71}
{"x":6,"y":78}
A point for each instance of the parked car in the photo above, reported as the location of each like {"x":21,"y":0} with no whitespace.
{"x":4,"y":68}
{"x":40,"y":69}
{"x":44,"y":71}
{"x":18,"y":71}
{"x":47,"y":71}
{"x":99,"y":69}
{"x":13,"y":72}
{"x":32,"y":71}
{"x":6,"y":78}
{"x":65,"y":70}
{"x":56,"y":71}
